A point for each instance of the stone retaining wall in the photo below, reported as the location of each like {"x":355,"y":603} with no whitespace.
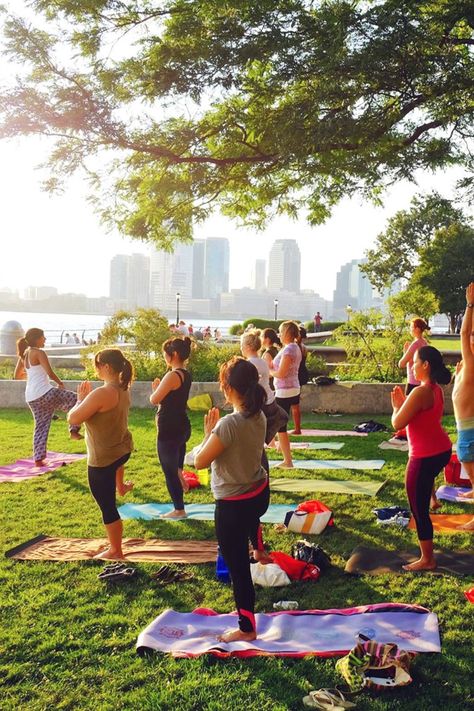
{"x":348,"y":397}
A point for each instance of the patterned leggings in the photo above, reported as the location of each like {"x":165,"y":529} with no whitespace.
{"x":43,"y":410}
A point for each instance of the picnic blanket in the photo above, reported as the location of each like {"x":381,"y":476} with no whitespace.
{"x":26,"y":469}
{"x":400,"y":445}
{"x":200,"y":512}
{"x":333,"y":463}
{"x":372,"y":561}
{"x":446,"y":523}
{"x":314,"y":445}
{"x":295,"y":633}
{"x":135,"y":549}
{"x":330,"y":433}
{"x":451,"y":493}
{"x":334,"y":486}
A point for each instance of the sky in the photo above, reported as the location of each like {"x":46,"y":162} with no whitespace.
{"x":59,"y":241}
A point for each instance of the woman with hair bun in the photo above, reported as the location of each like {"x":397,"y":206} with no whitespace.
{"x":42,"y":398}
{"x":417,"y":327}
{"x":174,"y":429}
{"x":233,"y":447}
{"x":429,"y":445}
{"x":104,"y":412}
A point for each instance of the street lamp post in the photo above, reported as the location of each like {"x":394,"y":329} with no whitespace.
{"x":178,"y":296}
{"x":275,"y":304}
{"x":348,"y":311}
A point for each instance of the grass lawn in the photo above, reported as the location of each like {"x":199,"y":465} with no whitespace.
{"x":68,"y":642}
{"x":442,"y":344}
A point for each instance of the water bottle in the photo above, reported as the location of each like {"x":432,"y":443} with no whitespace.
{"x":285,"y":605}
{"x":222,"y":572}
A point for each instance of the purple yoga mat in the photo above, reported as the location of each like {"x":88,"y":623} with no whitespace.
{"x":331,"y":433}
{"x":451,"y":493}
{"x":26,"y":469}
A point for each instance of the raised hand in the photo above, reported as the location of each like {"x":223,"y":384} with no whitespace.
{"x":83,"y":390}
{"x":459,"y":365}
{"x":397,"y":396}
{"x":470,"y":293}
{"x":155,"y":383}
{"x":210,"y":420}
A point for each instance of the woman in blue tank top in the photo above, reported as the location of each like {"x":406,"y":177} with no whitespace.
{"x":174,"y":429}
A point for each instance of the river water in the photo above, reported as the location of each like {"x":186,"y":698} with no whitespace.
{"x":85,"y":325}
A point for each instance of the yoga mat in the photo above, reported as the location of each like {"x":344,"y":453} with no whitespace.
{"x":333,"y":463}
{"x":447,"y":523}
{"x":200,"y":512}
{"x":330,"y":433}
{"x":297,"y":633}
{"x":451,"y":493}
{"x":135,"y":549}
{"x":371,"y":561}
{"x":366,"y":488}
{"x":313,"y":445}
{"x":402,"y":447}
{"x":26,"y":469}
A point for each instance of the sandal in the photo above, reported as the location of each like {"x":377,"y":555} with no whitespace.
{"x":116,"y":576}
{"x":332,"y":699}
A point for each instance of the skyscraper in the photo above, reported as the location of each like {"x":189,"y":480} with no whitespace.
{"x":284,"y":266}
{"x":258,"y":275}
{"x":216,"y":268}
{"x":118,"y":277}
{"x":138,"y":281}
{"x":199,"y":257}
{"x":171,"y":272}
{"x":352,"y":288}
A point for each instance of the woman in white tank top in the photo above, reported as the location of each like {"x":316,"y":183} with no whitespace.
{"x":42,"y":397}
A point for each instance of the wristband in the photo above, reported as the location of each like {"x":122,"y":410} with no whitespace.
{"x":470,"y":305}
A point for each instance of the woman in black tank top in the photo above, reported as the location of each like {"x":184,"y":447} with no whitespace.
{"x":174,"y":429}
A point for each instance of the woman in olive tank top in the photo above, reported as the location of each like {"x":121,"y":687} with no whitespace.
{"x":104,"y":411}
{"x":174,"y":429}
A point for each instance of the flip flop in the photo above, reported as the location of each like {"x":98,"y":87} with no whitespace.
{"x":116,"y":576}
{"x":114,"y":566}
{"x":328,"y":699}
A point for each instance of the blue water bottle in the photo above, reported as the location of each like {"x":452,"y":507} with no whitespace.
{"x":222,"y":572}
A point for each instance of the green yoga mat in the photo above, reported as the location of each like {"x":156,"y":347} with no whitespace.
{"x":365,"y":488}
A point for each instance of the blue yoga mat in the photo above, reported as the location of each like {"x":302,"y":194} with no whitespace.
{"x":200,"y":512}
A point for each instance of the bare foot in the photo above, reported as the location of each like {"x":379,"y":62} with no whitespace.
{"x":184,"y":483}
{"x":124,"y":488}
{"x":284,"y":465}
{"x":420,"y":564}
{"x":237,"y":636}
{"x":110,"y":554}
{"x":175,"y":514}
{"x":435,"y":504}
{"x":469,"y":526}
{"x":40,"y":463}
{"x":467,"y":494}
{"x":75,"y":435}
{"x":295,"y":432}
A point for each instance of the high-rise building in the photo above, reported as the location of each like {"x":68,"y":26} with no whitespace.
{"x":284,"y":266}
{"x":130,"y":280}
{"x":216,"y":267}
{"x":39,"y":293}
{"x":171,"y":273}
{"x":118,"y":277}
{"x":353,"y":289}
{"x":258,"y":275}
{"x":199,"y":260}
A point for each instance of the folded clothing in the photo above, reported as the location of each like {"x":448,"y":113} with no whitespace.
{"x":392,"y":516}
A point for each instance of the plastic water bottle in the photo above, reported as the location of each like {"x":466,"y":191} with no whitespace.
{"x":286,"y":605}
{"x":222,"y":571}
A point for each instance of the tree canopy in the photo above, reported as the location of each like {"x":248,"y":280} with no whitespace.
{"x":177,"y":107}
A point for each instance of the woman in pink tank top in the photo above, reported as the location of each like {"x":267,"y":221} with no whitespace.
{"x":429,"y":445}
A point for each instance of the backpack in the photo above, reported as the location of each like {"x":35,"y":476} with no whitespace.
{"x":311,"y":553}
{"x":379,"y":666}
{"x":370,"y":426}
{"x":303,"y":374}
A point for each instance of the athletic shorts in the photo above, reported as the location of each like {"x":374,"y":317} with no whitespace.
{"x":465,"y":445}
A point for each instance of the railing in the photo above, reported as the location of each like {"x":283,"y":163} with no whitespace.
{"x":84,"y":336}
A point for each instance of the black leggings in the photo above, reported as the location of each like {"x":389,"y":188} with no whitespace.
{"x":236,"y":522}
{"x":419,"y":479}
{"x":171,"y":455}
{"x":102,"y":486}
{"x":286,"y":403}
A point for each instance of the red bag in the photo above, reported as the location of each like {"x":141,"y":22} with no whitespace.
{"x":315,"y":506}
{"x":295,"y":569}
{"x":455,"y":474}
{"x":191,"y":478}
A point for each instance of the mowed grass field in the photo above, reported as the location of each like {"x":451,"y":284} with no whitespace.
{"x":68,"y":641}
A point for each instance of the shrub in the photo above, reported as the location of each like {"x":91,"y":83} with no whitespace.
{"x":316,"y":365}
{"x":325,"y":326}
{"x":236,"y":329}
{"x":206,"y":360}
{"x":263,"y":323}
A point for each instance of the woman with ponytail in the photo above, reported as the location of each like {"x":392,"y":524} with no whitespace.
{"x":174,"y":429}
{"x":233,"y":447}
{"x":429,"y":446}
{"x":104,"y":411}
{"x":42,"y":398}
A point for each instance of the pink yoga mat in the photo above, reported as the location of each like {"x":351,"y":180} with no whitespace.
{"x":294,"y":634}
{"x":331,"y":433}
{"x":26,"y":469}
